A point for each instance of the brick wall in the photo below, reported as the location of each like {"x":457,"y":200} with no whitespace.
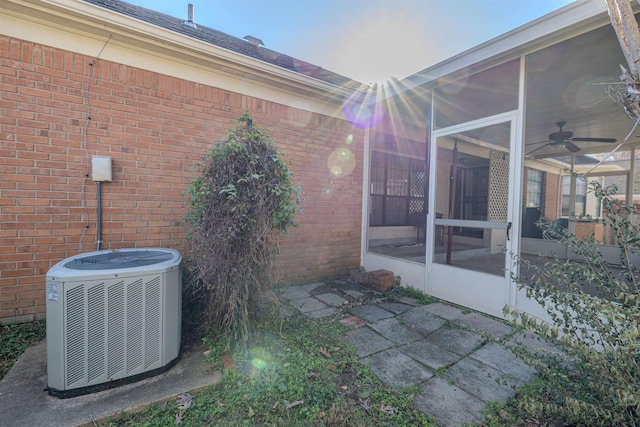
{"x":155,"y":128}
{"x":585,"y":228}
{"x":550,"y":196}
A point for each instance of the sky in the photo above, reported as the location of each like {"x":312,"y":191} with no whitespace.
{"x":367,"y":40}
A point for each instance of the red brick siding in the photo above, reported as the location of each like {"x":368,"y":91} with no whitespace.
{"x":551,"y":210}
{"x":586,"y":228}
{"x":155,"y":128}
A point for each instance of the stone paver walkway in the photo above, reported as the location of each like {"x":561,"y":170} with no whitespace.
{"x":460,"y":360}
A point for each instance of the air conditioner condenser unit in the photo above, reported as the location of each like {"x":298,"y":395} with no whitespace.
{"x":113,"y":317}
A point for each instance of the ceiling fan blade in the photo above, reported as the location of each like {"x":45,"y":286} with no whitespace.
{"x":539,"y":148}
{"x":570,"y":146}
{"x":608,"y":140}
{"x":546,"y":141}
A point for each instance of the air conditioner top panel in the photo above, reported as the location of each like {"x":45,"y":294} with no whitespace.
{"x":119,"y":259}
{"x":120,"y":262}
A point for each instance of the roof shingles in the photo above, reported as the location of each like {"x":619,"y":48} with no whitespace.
{"x":226,"y":41}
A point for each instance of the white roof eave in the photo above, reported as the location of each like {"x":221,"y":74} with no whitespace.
{"x":569,"y":20}
{"x":87,"y":17}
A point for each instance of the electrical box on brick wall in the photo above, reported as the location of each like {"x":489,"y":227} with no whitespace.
{"x":101,"y":168}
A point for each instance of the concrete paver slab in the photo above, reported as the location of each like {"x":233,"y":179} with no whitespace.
{"x":308,"y":304}
{"x":290,"y":293}
{"x":367,"y":342}
{"x":356,"y":295}
{"x":409,"y":301}
{"x":353,"y":321}
{"x":370,"y":312}
{"x":396,"y":369}
{"x":332,"y":299}
{"x":449,"y":405}
{"x":421,"y":320}
{"x":482,"y":381}
{"x":350,"y":286}
{"x":535,"y":344}
{"x":476,"y":371}
{"x":485,"y":324}
{"x":394,"y":307}
{"x":503,"y":360}
{"x":323,"y":289}
{"x":445,"y":311}
{"x":310,"y":287}
{"x":459,"y":341}
{"x":395,"y":331}
{"x":429,"y":354}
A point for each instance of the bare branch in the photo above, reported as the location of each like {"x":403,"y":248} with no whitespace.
{"x":626,"y":28}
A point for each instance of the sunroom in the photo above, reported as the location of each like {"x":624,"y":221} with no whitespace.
{"x":470,"y":153}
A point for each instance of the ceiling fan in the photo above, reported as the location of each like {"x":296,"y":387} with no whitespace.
{"x":565,"y":139}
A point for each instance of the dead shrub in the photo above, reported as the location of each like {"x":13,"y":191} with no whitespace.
{"x":241,"y":200}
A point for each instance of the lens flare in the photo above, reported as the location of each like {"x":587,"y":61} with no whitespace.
{"x":362,"y":112}
{"x":453,"y":87}
{"x":258,"y":363}
{"x":336,"y":170}
{"x":327,"y":188}
{"x":349,"y":139}
{"x":584,"y":92}
{"x":341,"y":162}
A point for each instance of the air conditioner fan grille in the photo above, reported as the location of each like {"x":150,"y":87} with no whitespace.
{"x":118,"y":260}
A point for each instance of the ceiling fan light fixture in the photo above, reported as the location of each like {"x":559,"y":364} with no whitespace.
{"x":564,"y":139}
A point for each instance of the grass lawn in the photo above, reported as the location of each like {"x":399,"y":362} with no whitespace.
{"x":14,"y":339}
{"x":295,"y":373}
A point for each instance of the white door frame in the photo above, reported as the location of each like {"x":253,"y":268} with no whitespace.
{"x":502,"y":289}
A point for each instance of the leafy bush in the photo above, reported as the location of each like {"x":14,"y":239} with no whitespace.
{"x":595,"y":310}
{"x":241,"y":200}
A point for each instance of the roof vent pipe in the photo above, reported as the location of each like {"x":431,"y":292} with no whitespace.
{"x":189,"y":21}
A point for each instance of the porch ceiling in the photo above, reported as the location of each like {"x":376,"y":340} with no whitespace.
{"x":574,"y":81}
{"x":572,"y":59}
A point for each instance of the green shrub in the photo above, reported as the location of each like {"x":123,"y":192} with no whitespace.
{"x":241,"y":200}
{"x":595,"y":310}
